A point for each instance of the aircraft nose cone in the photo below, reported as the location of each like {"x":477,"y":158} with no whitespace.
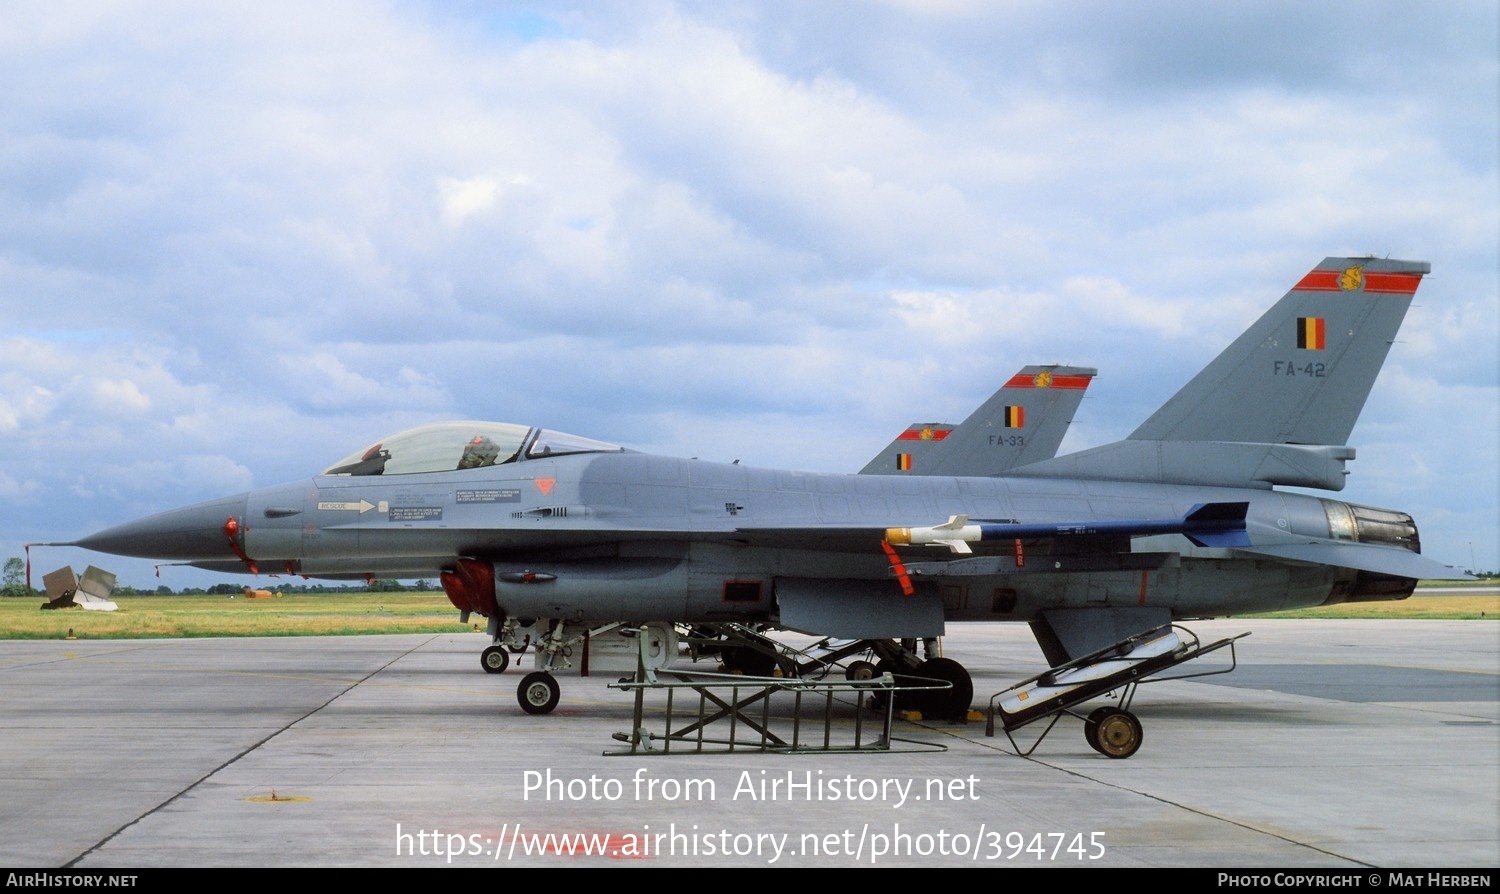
{"x":191,"y":533}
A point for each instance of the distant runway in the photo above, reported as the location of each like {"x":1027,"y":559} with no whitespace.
{"x":1485,"y":590}
{"x":1336,"y":744}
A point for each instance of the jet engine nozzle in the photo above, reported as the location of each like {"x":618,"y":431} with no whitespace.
{"x":1370,"y":524}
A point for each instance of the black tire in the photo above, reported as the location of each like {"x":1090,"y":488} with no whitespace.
{"x":1117,"y":734}
{"x":859,"y":671}
{"x":1091,"y":726}
{"x":945,"y":704}
{"x":494,"y":660}
{"x":897,"y":669}
{"x":538,"y":693}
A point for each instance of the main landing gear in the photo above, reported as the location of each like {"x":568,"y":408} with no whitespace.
{"x":937,"y":687}
{"x":942,"y":703}
{"x":925,"y":673}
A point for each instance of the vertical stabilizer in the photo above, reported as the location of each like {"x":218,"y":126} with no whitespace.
{"x":912,"y":452}
{"x":1277,"y":406}
{"x":1023,"y":422}
{"x":1302,"y":372}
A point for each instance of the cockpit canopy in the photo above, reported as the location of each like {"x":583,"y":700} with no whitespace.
{"x":452,"y":446}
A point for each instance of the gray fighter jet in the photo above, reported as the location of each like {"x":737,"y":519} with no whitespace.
{"x":533,"y":528}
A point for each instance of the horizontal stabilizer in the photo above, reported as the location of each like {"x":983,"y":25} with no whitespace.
{"x":1207,"y":463}
{"x":1394,"y":561}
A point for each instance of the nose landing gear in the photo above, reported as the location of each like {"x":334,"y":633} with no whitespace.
{"x":538,"y":693}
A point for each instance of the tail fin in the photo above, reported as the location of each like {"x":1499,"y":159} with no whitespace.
{"x":1023,"y":422}
{"x":912,"y":451}
{"x":1277,"y":406}
{"x":1301,"y":374}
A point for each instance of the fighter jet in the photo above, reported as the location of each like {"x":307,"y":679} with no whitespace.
{"x":534,"y":528}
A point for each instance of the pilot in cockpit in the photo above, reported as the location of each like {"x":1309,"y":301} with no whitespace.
{"x":480,"y":451}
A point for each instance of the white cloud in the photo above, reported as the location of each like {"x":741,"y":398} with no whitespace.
{"x":239,"y":241}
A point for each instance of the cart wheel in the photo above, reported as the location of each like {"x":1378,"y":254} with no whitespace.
{"x":494,"y":660}
{"x":1117,"y":734}
{"x":1091,"y":726}
{"x":858,"y":671}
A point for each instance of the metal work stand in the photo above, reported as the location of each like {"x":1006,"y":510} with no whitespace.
{"x":743,"y":704}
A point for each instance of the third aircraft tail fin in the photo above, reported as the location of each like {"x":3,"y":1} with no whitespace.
{"x":1023,"y":422}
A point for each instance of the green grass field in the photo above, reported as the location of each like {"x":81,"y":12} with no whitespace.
{"x":330,"y":614}
{"x":321,"y":614}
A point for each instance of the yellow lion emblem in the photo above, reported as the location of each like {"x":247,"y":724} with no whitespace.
{"x":1352,"y":278}
{"x":1043,"y":379}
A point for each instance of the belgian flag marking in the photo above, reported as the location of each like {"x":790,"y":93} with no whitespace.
{"x":1311,"y":333}
{"x":903,"y":462}
{"x":1015,"y":417}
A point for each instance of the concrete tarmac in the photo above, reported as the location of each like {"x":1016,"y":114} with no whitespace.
{"x":1334,"y":744}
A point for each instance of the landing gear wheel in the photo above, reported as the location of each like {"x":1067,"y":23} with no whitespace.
{"x":945,"y":704}
{"x":494,"y":660}
{"x":538,"y":693}
{"x":859,"y":671}
{"x":1117,"y":734}
{"x":1091,"y":726}
{"x":522,"y":647}
{"x":897,"y":669}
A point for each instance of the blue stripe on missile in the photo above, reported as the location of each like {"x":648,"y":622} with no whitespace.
{"x":1206,"y":524}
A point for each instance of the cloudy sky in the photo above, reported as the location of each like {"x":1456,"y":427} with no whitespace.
{"x":240,"y":240}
